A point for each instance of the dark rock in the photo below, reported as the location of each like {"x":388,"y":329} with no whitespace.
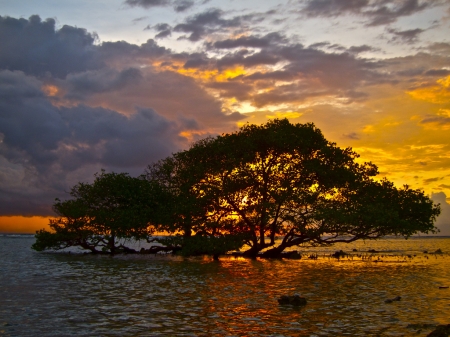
{"x":294,"y":300}
{"x":438,"y":251}
{"x":398,"y":298}
{"x":425,"y":251}
{"x":291,"y":255}
{"x":372,"y":251}
{"x":338,"y":254}
{"x":440,"y":331}
{"x":355,"y":250}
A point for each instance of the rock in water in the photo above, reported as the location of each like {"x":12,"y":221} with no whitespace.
{"x":398,"y":298}
{"x":440,"y":331}
{"x":294,"y":300}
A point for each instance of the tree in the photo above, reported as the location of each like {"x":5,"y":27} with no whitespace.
{"x":103,"y":215}
{"x":284,"y":180}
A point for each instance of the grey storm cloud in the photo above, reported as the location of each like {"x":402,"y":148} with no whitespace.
{"x":378,"y":12}
{"x":36,"y":47}
{"x":40,"y":131}
{"x":49,"y":142}
{"x":91,"y":82}
{"x":107,"y":111}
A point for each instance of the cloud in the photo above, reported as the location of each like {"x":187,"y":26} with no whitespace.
{"x":88,"y":106}
{"x":405,"y":36}
{"x":147,"y":3}
{"x":377,"y":12}
{"x":351,"y":135}
{"x":178,"y":5}
{"x":88,"y":83}
{"x":251,"y":41}
{"x":139,"y":19}
{"x":443,"y":221}
{"x":35,"y":46}
{"x":209,"y":21}
{"x":436,"y":120}
{"x":183,"y":5}
{"x":164,"y":30}
{"x":49,"y":143}
{"x":432,"y":180}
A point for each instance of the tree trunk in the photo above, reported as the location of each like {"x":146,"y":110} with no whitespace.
{"x":274,"y":252}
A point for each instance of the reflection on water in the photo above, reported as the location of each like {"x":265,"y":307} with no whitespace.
{"x":82,"y":295}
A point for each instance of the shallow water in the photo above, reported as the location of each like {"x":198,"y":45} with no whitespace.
{"x":54,"y":294}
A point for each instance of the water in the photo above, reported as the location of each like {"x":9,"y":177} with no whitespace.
{"x":54,"y":294}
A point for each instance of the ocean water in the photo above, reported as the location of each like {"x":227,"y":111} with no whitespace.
{"x":60,"y":294}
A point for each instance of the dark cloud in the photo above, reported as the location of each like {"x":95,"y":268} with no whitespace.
{"x":164,"y":30}
{"x":437,"y":120}
{"x":351,"y":135}
{"x":196,"y":60}
{"x":178,"y":5}
{"x":183,"y":5}
{"x":243,"y":58}
{"x":250,"y":41}
{"x":361,"y":49}
{"x":240,"y":91}
{"x":442,"y":48}
{"x":437,"y":72}
{"x":431,"y":180}
{"x":88,"y":106}
{"x":36,"y":47}
{"x":378,"y":12}
{"x":147,"y":3}
{"x":49,"y":143}
{"x":207,"y":22}
{"x":311,"y":71}
{"x":139,"y":19}
{"x":106,"y":80}
{"x":405,"y":36}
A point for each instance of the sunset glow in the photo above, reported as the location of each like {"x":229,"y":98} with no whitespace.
{"x":122,"y":86}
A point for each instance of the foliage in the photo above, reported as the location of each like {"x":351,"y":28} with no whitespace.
{"x":286,"y":180}
{"x":250,"y":187}
{"x":204,"y":245}
{"x":114,"y":207}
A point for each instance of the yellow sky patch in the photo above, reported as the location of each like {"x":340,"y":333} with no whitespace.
{"x":287,"y":114}
{"x":438,"y":93}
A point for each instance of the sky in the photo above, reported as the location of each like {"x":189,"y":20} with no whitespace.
{"x":119,"y":84}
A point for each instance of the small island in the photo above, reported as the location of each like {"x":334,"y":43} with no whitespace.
{"x":266,"y":188}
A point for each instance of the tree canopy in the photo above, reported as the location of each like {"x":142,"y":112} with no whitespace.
{"x":265,"y":188}
{"x":103,"y":215}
